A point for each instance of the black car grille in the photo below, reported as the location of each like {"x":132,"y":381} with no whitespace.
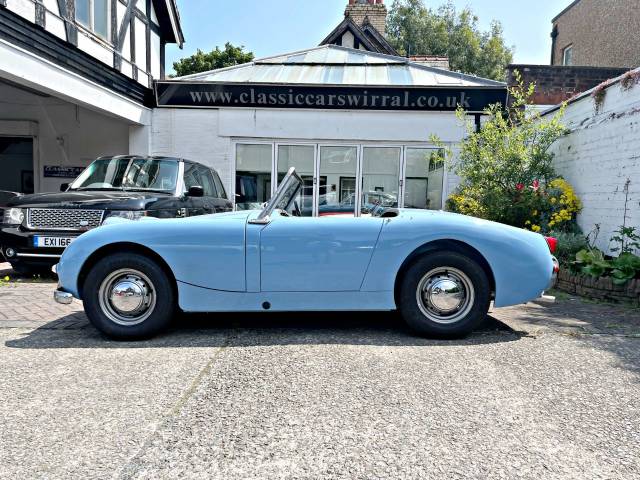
{"x":63,"y":219}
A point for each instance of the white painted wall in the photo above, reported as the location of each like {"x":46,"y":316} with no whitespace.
{"x":600,"y":154}
{"x":65,"y":134}
{"x":206,"y":135}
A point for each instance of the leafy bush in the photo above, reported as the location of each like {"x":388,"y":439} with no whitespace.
{"x":569,"y":244}
{"x":507,"y":170}
{"x":626,"y":239}
{"x":622,"y":269}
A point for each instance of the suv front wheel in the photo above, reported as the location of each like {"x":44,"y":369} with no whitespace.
{"x":127,"y":296}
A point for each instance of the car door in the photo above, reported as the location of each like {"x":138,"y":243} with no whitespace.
{"x":194,"y":205}
{"x":316,"y":254}
{"x":221,"y":202}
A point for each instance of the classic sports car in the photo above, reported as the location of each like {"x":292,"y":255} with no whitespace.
{"x":440,"y":270}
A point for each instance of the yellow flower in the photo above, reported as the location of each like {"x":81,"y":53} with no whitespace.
{"x":528,"y":222}
{"x":6,"y":279}
{"x":554,"y":200}
{"x":536,"y":228}
{"x":535,"y":213}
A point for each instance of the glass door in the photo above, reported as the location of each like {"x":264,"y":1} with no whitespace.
{"x":380,"y":178}
{"x":302,"y":157}
{"x":424,"y":173}
{"x":253,"y":175}
{"x":337,"y":180}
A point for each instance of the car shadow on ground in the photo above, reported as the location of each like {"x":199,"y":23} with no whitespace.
{"x":262,"y":329}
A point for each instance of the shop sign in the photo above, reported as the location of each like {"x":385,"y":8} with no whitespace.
{"x":57,"y":171}
{"x":203,"y":95}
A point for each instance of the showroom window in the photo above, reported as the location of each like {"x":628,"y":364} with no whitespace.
{"x":380,"y":177}
{"x":337,"y":189}
{"x":342,"y":179}
{"x":424,"y":173}
{"x":253,"y":175}
{"x":302,"y":157}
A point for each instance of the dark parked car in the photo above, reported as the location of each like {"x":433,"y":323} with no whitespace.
{"x":6,"y":196}
{"x":37,"y":228}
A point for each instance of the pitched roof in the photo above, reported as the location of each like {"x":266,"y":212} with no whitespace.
{"x":367,"y":35}
{"x":169,"y":18}
{"x":335,"y":65}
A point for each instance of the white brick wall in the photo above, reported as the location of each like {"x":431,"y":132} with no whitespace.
{"x":600,"y":154}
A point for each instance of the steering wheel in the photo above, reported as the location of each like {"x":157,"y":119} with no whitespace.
{"x":296,"y":209}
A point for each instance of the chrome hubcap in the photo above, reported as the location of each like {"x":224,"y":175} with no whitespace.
{"x":127,"y":297}
{"x":445,"y":295}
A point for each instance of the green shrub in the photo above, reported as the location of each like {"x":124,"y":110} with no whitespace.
{"x":507,"y":170}
{"x":569,"y":244}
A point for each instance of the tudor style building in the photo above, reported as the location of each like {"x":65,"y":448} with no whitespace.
{"x":76,"y":80}
{"x":363,"y":28}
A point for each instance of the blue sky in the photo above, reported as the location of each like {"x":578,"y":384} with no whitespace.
{"x":270,"y":27}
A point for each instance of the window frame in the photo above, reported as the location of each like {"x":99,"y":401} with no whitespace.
{"x":92,"y":20}
{"x":567,"y":50}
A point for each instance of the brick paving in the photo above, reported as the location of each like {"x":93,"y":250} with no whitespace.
{"x":28,"y":303}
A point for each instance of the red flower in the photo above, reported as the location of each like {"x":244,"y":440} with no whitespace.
{"x":520,"y":187}
{"x":536,"y":185}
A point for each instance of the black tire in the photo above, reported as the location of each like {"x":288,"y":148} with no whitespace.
{"x":105,"y":317}
{"x":422,"y":314}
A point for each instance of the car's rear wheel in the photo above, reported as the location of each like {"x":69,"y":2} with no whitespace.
{"x":128,"y":296}
{"x":445,"y":295}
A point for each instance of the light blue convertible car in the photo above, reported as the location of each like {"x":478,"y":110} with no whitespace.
{"x":440,"y":270}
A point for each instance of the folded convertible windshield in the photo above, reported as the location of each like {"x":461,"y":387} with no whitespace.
{"x":129,"y":174}
{"x":286,"y":194}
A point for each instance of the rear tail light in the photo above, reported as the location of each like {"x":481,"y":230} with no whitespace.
{"x":553,"y":243}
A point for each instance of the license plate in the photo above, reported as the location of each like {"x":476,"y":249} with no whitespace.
{"x":52,"y":242}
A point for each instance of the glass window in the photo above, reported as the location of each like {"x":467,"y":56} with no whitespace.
{"x":207,"y":182}
{"x":83,"y":12}
{"x":380,"y":177}
{"x":567,"y":56}
{"x":101,"y":17}
{"x":219,"y":187}
{"x":253,"y":175}
{"x":129,"y":174}
{"x":424,"y":179}
{"x":337,"y":180}
{"x":301,"y":157}
{"x":94,"y":15}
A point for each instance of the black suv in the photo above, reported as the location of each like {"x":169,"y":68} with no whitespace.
{"x":36,"y":228}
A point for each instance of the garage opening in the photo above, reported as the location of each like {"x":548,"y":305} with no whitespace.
{"x":16,"y":164}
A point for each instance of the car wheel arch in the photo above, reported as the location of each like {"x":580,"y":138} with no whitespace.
{"x":444,"y":245}
{"x":125,"y":247}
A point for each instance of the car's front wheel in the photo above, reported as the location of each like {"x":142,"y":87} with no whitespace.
{"x":444,"y":294}
{"x":128,"y":296}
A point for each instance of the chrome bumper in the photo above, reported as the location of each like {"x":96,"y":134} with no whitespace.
{"x":63,"y":298}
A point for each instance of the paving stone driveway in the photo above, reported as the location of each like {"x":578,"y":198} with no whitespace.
{"x":541,"y":391}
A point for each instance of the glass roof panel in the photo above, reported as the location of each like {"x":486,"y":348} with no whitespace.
{"x":354,"y":75}
{"x":378,"y":75}
{"x":400,"y":75}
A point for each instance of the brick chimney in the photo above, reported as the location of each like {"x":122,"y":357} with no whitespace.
{"x":372,"y":11}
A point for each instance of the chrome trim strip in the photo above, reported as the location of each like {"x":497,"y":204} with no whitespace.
{"x":38,"y":255}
